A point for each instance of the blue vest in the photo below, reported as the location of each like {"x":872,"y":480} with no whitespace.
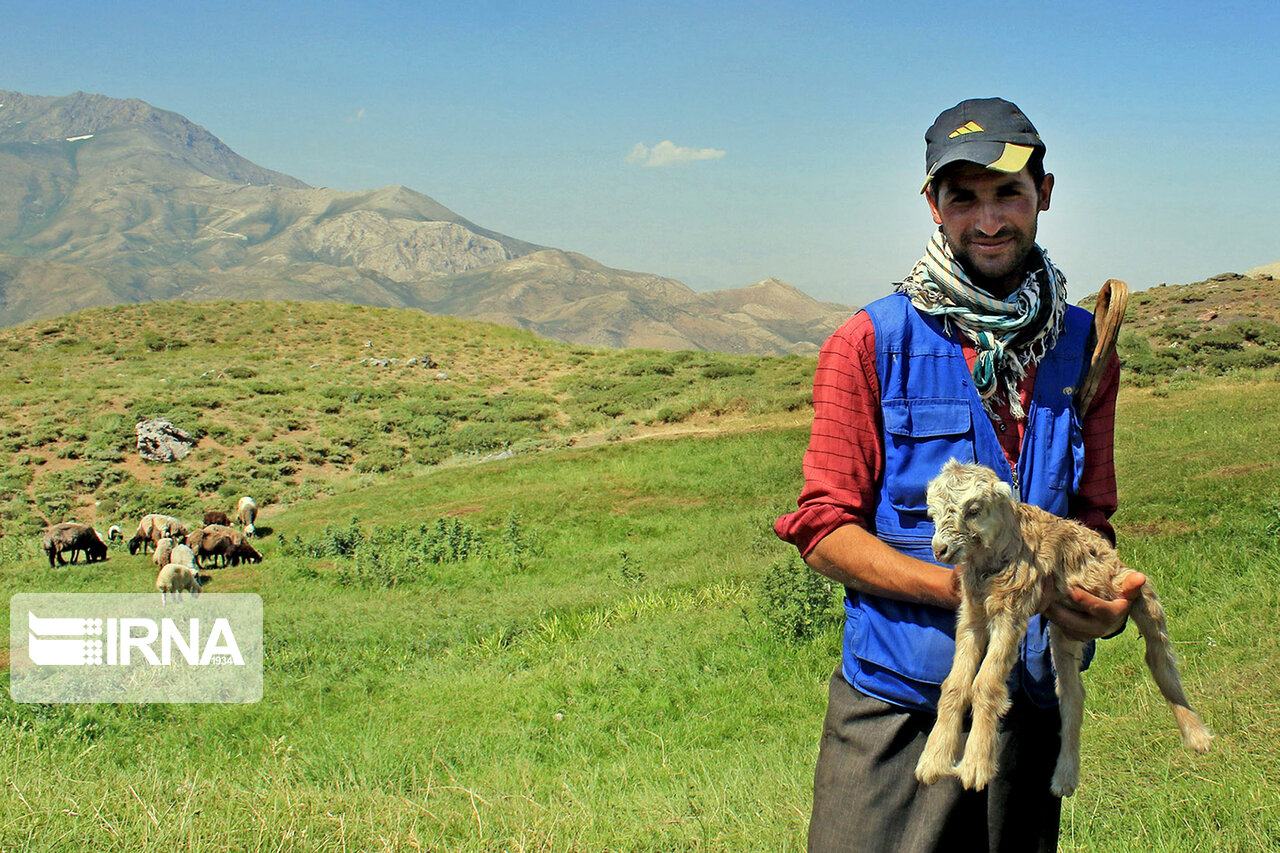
{"x":901,"y":652}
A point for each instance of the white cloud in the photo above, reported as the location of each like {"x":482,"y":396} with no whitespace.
{"x":667,"y":153}
{"x":352,"y":119}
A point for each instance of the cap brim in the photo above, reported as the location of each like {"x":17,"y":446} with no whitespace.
{"x":1001,"y":156}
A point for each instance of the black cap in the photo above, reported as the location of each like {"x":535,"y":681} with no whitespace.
{"x":988,"y":131}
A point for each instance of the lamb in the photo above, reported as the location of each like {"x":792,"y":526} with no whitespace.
{"x":164,"y":548}
{"x":71,"y":538}
{"x":114,"y":533}
{"x":225,"y":542}
{"x":246,"y":514}
{"x":154,"y":527}
{"x":216,"y":516}
{"x":1006,"y":552}
{"x":175,"y":578}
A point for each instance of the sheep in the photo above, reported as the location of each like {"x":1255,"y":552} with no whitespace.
{"x":182,"y":554}
{"x":247,"y":514}
{"x":164,"y":548}
{"x":1007,"y":552}
{"x":71,"y":538}
{"x":225,"y":542}
{"x":154,"y":527}
{"x":175,"y":578}
{"x":113,"y":533}
{"x":216,"y":516}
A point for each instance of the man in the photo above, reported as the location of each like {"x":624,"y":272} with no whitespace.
{"x":975,"y":356}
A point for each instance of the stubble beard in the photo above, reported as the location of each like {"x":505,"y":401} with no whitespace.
{"x":1000,"y":277}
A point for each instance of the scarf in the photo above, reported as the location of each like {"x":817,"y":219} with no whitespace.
{"x":1009,"y":335}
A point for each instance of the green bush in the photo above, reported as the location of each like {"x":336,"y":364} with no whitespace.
{"x":726,"y":369}
{"x":796,"y":602}
{"x":1260,"y":332}
{"x":1230,"y":338}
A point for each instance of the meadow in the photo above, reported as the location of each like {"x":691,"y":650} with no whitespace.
{"x":593,"y":644}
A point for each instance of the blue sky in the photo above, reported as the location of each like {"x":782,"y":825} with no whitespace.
{"x":793,"y":131}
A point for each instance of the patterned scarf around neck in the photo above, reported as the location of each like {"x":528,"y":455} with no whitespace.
{"x":1009,"y":334}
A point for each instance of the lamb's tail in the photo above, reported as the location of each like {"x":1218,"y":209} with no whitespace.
{"x":1148,"y":615}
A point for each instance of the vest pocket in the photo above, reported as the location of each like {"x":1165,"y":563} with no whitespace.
{"x":921,"y":436}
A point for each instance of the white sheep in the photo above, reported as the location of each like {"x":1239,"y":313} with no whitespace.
{"x":164,"y":549}
{"x":247,"y":514}
{"x":183,"y":555}
{"x":175,"y":578}
{"x":1005,"y":552}
{"x":114,"y":532}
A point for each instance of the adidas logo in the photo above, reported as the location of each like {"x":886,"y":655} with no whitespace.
{"x":971,"y":127}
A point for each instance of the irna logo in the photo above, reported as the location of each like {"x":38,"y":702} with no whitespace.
{"x":62,"y":641}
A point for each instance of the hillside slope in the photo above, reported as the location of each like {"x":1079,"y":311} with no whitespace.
{"x":1224,"y":323}
{"x":289,"y":400}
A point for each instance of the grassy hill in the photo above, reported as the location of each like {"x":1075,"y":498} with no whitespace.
{"x":1213,"y":327}
{"x":293,"y":400}
{"x":597,"y":646}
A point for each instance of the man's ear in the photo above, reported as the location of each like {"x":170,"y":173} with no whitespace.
{"x":933,"y":201}
{"x":1046,"y":190}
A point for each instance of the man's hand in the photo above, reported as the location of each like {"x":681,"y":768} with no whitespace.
{"x":1088,"y":617}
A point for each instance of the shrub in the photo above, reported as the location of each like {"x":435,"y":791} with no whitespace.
{"x":1260,"y":332}
{"x":1230,"y":338}
{"x":727,"y":369}
{"x":796,"y":602}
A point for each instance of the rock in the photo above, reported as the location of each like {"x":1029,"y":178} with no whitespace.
{"x":161,"y":441}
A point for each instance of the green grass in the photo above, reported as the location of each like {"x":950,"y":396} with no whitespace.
{"x":606,"y":669}
{"x":291,"y":400}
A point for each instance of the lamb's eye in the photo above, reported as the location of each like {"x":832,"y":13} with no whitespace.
{"x":972,"y":511}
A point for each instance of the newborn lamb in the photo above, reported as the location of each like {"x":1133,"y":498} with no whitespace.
{"x":1004,"y":551}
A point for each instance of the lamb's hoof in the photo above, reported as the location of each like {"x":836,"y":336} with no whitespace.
{"x":1197,"y":738}
{"x":974,"y":776}
{"x":1064,"y":782}
{"x":930,"y":769}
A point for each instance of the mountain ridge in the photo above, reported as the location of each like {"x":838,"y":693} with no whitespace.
{"x":104,"y":200}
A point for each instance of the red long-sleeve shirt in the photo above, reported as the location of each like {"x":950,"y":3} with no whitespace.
{"x":845,"y":459}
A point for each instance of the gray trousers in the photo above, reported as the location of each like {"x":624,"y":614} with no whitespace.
{"x":866,"y":797}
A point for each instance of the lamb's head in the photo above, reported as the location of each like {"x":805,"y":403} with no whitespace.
{"x":971,"y":508}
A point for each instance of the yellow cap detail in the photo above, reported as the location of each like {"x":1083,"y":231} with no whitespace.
{"x":971,"y":127}
{"x":1013,"y":158}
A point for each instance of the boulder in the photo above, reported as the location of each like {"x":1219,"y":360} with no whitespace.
{"x":161,"y":441}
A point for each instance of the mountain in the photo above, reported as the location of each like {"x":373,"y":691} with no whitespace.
{"x":1264,"y":272}
{"x":106,"y":201}
{"x":569,"y":297}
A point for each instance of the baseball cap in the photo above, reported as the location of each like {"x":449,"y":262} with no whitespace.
{"x":988,"y":131}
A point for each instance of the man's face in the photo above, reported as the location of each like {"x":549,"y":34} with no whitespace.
{"x":989,"y":218}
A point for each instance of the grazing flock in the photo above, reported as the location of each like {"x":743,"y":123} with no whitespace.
{"x":182,"y":552}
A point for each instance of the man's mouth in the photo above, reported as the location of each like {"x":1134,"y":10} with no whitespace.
{"x":992,"y":246}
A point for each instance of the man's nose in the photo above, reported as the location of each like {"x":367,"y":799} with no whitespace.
{"x":989,"y":220}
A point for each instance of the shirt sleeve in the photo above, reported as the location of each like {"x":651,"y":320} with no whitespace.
{"x":1096,"y":500}
{"x":844,"y":461}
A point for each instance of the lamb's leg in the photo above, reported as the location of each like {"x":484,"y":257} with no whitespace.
{"x":1067,"y":655}
{"x":1148,"y":615}
{"x":943,"y":746}
{"x":990,"y":700}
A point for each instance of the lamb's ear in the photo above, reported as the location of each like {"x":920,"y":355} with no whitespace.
{"x":1004,"y":490}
